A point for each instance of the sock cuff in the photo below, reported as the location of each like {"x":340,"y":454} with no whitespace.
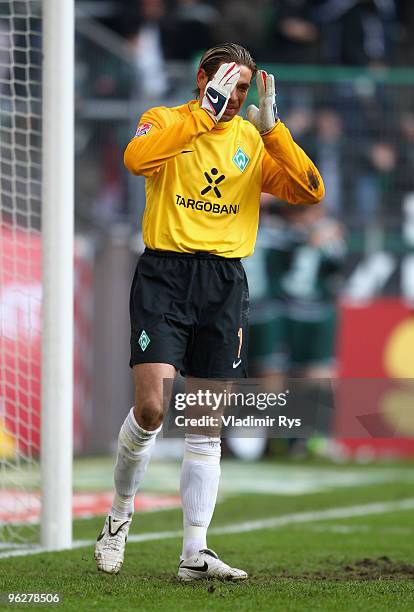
{"x":202,"y":448}
{"x":133,"y":439}
{"x":138,"y":430}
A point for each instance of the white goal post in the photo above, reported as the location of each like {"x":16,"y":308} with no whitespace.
{"x":57,"y":240}
{"x":36,"y":272}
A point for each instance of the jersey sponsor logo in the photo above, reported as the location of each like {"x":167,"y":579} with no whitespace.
{"x":241,"y":159}
{"x":210,"y":207}
{"x":144,"y":340}
{"x":212,"y":183}
{"x":143,"y":129}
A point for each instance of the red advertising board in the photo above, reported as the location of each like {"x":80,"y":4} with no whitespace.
{"x":20,"y":342}
{"x":376,"y":361}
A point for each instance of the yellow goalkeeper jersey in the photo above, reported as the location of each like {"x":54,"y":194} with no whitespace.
{"x":204,"y":179}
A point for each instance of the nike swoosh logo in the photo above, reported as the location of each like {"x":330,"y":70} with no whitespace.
{"x":187,"y":151}
{"x":214,"y":100}
{"x":236,"y":364}
{"x":195,"y":568}
{"x":113,"y":533}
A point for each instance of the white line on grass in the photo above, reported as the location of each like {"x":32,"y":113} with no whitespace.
{"x":346,"y":529}
{"x":270,"y":523}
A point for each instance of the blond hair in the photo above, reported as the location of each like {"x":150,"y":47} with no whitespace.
{"x":228,"y":52}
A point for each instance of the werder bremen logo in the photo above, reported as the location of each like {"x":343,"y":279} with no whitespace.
{"x":241,"y":159}
{"x":144,"y":340}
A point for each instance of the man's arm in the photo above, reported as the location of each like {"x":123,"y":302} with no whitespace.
{"x":155,"y":143}
{"x":288,"y":173}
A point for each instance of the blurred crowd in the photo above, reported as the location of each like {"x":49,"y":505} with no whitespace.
{"x":350,"y":32}
{"x":366,"y":160}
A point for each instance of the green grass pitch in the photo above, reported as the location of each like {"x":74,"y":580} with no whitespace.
{"x":362,"y":562}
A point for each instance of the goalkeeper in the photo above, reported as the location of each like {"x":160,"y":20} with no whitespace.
{"x":205,"y":169}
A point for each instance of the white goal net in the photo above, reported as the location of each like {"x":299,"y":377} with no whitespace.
{"x":20,"y":268}
{"x":36,"y":263}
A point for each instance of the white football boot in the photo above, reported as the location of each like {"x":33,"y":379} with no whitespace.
{"x":206,"y":564}
{"x":110,"y":545}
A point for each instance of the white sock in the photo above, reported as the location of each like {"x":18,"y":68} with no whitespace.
{"x":134,"y":452}
{"x":200,"y":475}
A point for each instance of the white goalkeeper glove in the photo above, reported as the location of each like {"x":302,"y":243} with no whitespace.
{"x":218,"y":91}
{"x":265,"y":117}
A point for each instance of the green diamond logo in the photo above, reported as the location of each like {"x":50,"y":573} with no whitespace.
{"x":241,"y":159}
{"x":144,"y":340}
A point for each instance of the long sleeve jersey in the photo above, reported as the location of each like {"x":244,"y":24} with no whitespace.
{"x":204,"y":179}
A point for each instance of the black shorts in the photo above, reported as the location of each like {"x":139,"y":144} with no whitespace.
{"x":190,"y":311}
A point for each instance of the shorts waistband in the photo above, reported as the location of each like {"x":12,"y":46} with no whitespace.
{"x":196,"y":255}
